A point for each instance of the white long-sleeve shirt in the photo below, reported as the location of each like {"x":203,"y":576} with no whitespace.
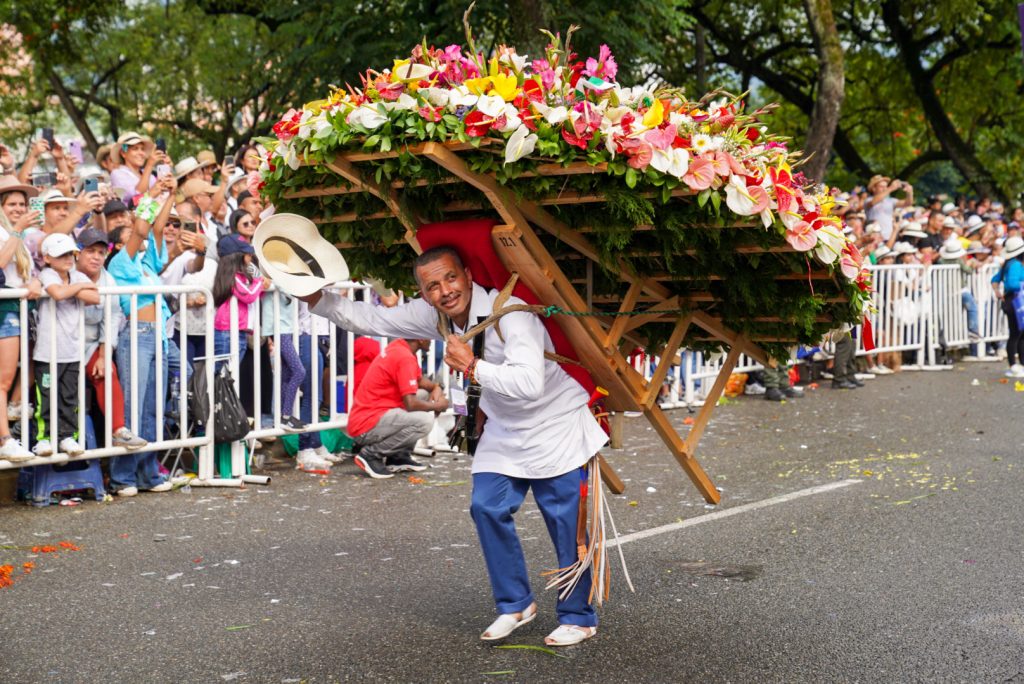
{"x":538,"y":423}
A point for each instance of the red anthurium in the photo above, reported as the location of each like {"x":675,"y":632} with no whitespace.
{"x":287,"y":127}
{"x":753,"y":134}
{"x":431,"y":113}
{"x":477,"y":124}
{"x":533,"y":90}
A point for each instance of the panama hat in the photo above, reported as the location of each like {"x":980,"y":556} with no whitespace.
{"x":187,"y":166}
{"x":882,"y":252}
{"x":1013,"y":247}
{"x":9,"y":183}
{"x":952,"y":249}
{"x":295,"y":256}
{"x":903,"y":248}
{"x":913,"y":229}
{"x":129,"y":139}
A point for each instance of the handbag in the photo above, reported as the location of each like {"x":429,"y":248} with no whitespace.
{"x":230,"y":421}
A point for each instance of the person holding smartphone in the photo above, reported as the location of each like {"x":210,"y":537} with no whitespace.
{"x":137,"y":158}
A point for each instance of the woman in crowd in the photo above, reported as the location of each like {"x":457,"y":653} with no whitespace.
{"x":137,"y":264}
{"x":1007,"y":283}
{"x":136,"y":157}
{"x":248,"y":157}
{"x":243,"y":224}
{"x":17,"y":271}
{"x":237,"y":280}
{"x":278,"y":315}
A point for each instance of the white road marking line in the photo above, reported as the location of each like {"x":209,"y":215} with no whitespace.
{"x":718,"y":515}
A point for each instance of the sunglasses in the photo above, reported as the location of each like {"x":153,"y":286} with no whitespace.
{"x":174,"y":224}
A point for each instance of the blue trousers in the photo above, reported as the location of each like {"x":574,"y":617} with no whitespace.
{"x":496,"y":498}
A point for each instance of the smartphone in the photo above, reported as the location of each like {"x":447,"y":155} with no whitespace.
{"x":190,"y":226}
{"x":91,"y":185}
{"x":48,"y":136}
{"x":161,"y":144}
{"x":75,"y":150}
{"x":44,"y":179}
{"x":36,"y":204}
{"x":229,"y":159}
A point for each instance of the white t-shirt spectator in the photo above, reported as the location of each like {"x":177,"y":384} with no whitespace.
{"x":95,"y":318}
{"x":882,"y":212}
{"x":66,"y":322}
{"x":13,"y":278}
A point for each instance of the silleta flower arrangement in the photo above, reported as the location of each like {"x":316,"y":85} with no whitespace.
{"x":698,"y":192}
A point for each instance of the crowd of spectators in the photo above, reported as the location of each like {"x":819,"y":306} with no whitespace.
{"x":133,"y":216}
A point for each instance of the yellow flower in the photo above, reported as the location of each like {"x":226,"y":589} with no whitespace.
{"x":506,"y":86}
{"x":655,"y":115}
{"x":478,"y":86}
{"x":394,"y":69}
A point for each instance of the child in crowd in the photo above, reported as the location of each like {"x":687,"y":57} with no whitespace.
{"x":57,"y":353}
{"x":237,"y":279}
{"x":280,"y":308}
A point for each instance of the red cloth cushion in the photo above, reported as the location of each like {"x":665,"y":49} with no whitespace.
{"x":472,"y":240}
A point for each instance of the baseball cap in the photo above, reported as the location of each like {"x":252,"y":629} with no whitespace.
{"x":91,"y":236}
{"x":114,"y":206}
{"x":233,"y":244}
{"x":58,"y":244}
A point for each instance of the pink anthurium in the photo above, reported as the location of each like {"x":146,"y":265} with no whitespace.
{"x":802,"y":237}
{"x":700,"y":175}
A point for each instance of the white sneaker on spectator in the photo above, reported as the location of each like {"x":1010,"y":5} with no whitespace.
{"x":128,"y":439}
{"x":42,"y":448}
{"x":308,"y":459}
{"x":827,"y":375}
{"x":1016,"y":371}
{"x":69,"y":446}
{"x":970,"y":357}
{"x":13,"y":452}
{"x":164,"y":486}
{"x":128,"y":491}
{"x":882,"y":369}
{"x":864,"y":376}
{"x":1001,"y":354}
{"x":326,"y":455}
{"x":754,"y":388}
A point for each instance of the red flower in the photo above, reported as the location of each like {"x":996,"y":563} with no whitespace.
{"x":753,"y":134}
{"x":477,"y":124}
{"x":533,"y":90}
{"x":288,"y":126}
{"x":431,"y":113}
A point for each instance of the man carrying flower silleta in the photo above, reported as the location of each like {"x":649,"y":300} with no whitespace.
{"x":538,"y":433}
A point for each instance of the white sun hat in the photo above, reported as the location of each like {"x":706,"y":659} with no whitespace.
{"x":295,"y":256}
{"x":1013,"y":247}
{"x":952,"y":249}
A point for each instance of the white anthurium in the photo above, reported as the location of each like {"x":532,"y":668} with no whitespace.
{"x":556,"y":115}
{"x":737,"y":198}
{"x":437,"y":97}
{"x":491,"y":105}
{"x":766,"y":218}
{"x":366,"y":116}
{"x":661,"y":160}
{"x":790,"y":219}
{"x":830,"y":243}
{"x":291,"y":157}
{"x":615,"y":114}
{"x":680,"y":162}
{"x":512,"y":120}
{"x":410,"y":73}
{"x":517,"y":62}
{"x":407,"y":102}
{"x":305,"y":128}
{"x":678,"y":119}
{"x":520,"y":144}
{"x":461,"y":97}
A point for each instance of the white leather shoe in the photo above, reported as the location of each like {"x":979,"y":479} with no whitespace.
{"x":508,"y":623}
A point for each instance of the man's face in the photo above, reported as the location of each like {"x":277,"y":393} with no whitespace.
{"x":207,"y":174}
{"x":935,"y":220}
{"x":90,"y":259}
{"x":120,"y":219}
{"x":446,"y":286}
{"x":171,"y":231}
{"x":203,"y":200}
{"x":56,"y":212}
{"x":252,"y":205}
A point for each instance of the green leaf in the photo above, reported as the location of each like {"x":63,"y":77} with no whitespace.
{"x":716,"y":201}
{"x":631,"y":177}
{"x":702,"y":198}
{"x":385,"y":145}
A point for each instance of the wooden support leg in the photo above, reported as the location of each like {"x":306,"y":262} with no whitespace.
{"x":610,"y":478}
{"x":660,"y":423}
{"x":711,"y":400}
{"x":616,"y":421}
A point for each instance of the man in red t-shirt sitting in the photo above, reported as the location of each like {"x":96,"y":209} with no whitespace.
{"x":393,"y":408}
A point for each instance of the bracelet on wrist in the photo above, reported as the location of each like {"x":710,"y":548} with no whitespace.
{"x":471,"y":371}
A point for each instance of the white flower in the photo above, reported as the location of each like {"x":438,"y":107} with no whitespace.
{"x":512,"y":120}
{"x":700,"y":142}
{"x":366,"y":116}
{"x":716,"y":142}
{"x":291,"y":158}
{"x":461,"y":97}
{"x":404,"y":101}
{"x":306,"y":124}
{"x":556,"y":115}
{"x":520,"y":144}
{"x":673,"y":161}
{"x":830,"y":243}
{"x":411,"y":73}
{"x":737,"y":198}
{"x":438,"y":97}
{"x":517,"y":62}
{"x":678,"y":119}
{"x":491,"y":105}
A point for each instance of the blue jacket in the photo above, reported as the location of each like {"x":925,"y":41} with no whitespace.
{"x":1010,"y":275}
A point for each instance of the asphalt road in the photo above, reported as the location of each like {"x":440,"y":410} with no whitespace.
{"x":912,"y":573}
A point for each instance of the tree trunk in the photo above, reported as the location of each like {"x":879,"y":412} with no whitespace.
{"x":831,"y":87}
{"x":76,"y":114}
{"x":528,"y":17}
{"x":702,"y":62}
{"x":956,"y":148}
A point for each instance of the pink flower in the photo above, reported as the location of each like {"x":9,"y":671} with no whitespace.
{"x":602,"y":67}
{"x":640,"y":156}
{"x":700,"y":175}
{"x":253,"y":183}
{"x":431,"y":113}
{"x":661,"y":138}
{"x":726,"y":163}
{"x":802,"y":237}
{"x":542,"y":68}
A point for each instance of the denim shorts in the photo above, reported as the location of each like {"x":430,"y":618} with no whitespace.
{"x":10,"y":324}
